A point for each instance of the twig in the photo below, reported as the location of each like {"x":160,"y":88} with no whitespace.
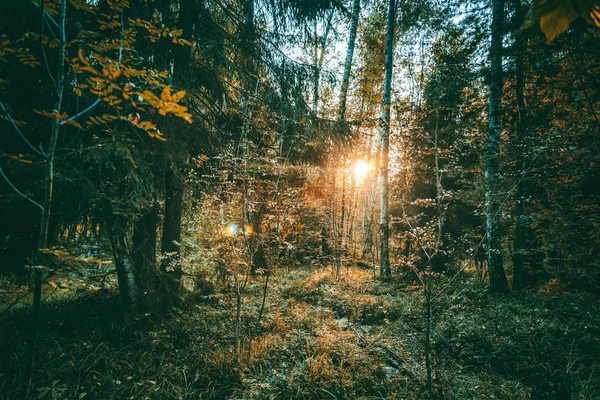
{"x":79,"y":114}
{"x":19,"y":192}
{"x":48,"y":16}
{"x":46,"y":64}
{"x":14,"y":303}
{"x":508,"y":194}
{"x":14,"y":124}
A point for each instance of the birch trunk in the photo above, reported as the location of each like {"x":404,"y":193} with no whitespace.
{"x":348,"y":62}
{"x":384,"y":144}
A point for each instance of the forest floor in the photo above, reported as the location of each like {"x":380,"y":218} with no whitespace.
{"x":353,"y":337}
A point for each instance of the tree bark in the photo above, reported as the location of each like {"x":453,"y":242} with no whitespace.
{"x":144,"y":251}
{"x":257,"y":249}
{"x":520,"y":217}
{"x":171,"y":235}
{"x":48,"y":188}
{"x":498,"y":282}
{"x":125,"y":275}
{"x":319,"y":55}
{"x":384,"y":143}
{"x":348,"y":62}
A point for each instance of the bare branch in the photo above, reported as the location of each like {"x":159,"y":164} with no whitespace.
{"x":19,"y":192}
{"x":79,"y":114}
{"x":14,"y":124}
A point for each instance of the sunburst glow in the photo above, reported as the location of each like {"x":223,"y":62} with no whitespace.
{"x":361,"y":170}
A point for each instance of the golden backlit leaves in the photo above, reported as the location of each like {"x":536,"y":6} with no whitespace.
{"x":28,"y":59}
{"x":168,"y":103}
{"x":5,"y":49}
{"x":555,"y":16}
{"x":155,"y":33}
{"x":148,"y":126}
{"x":124,"y":91}
{"x":64,"y":118}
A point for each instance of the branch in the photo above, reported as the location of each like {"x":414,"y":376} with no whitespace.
{"x":79,"y":114}
{"x":14,"y":303}
{"x":18,"y":191}
{"x":40,"y":152}
{"x":500,"y":207}
{"x":48,"y":16}
{"x":94,"y":104}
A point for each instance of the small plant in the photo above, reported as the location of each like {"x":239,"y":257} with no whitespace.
{"x":54,"y":391}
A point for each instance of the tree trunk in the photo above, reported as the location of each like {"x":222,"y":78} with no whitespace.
{"x":144,"y":251}
{"x":257,"y":249}
{"x":521,"y":223}
{"x":125,"y":276}
{"x":48,"y":188}
{"x":316,"y":71}
{"x":384,"y":143}
{"x":319,"y":54}
{"x":498,"y":282}
{"x":171,"y":235}
{"x":348,"y":62}
{"x":33,"y":328}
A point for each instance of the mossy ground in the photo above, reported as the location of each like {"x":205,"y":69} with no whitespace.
{"x":353,"y":337}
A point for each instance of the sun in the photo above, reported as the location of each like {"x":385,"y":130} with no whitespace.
{"x":361,"y":170}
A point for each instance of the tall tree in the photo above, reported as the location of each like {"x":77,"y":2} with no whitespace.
{"x":521,"y":223}
{"x":384,"y":143}
{"x":498,"y":282}
{"x":348,"y":62}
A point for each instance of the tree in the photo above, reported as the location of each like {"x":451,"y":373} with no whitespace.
{"x":520,"y":218}
{"x":348,"y":62}
{"x":498,"y":282}
{"x":384,"y":143}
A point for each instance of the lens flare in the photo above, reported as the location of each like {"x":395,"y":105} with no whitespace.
{"x":231,"y":229}
{"x":361,"y":170}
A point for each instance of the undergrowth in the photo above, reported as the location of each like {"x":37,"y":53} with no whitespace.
{"x":349,"y":337}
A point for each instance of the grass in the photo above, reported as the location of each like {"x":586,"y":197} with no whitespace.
{"x":319,"y":338}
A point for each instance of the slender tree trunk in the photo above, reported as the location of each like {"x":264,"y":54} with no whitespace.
{"x":46,"y":211}
{"x":257,"y":249}
{"x":521,"y":225}
{"x":171,"y":235}
{"x":368,"y":245}
{"x":316,"y":71}
{"x":341,"y":231}
{"x":498,"y":282}
{"x":144,"y":251}
{"x":384,"y":143}
{"x":348,"y":62}
{"x":319,"y":55}
{"x":237,"y":331}
{"x":33,"y":328}
{"x":125,"y":276}
{"x":428,"y":322}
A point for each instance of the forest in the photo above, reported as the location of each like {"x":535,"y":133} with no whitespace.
{"x":300,"y":199}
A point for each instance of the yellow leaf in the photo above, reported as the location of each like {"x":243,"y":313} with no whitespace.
{"x":166,"y":94}
{"x":178,"y":96}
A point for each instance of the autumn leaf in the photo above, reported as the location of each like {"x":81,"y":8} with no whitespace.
{"x":178,"y":96}
{"x":166,"y":94}
{"x":555,"y":16}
